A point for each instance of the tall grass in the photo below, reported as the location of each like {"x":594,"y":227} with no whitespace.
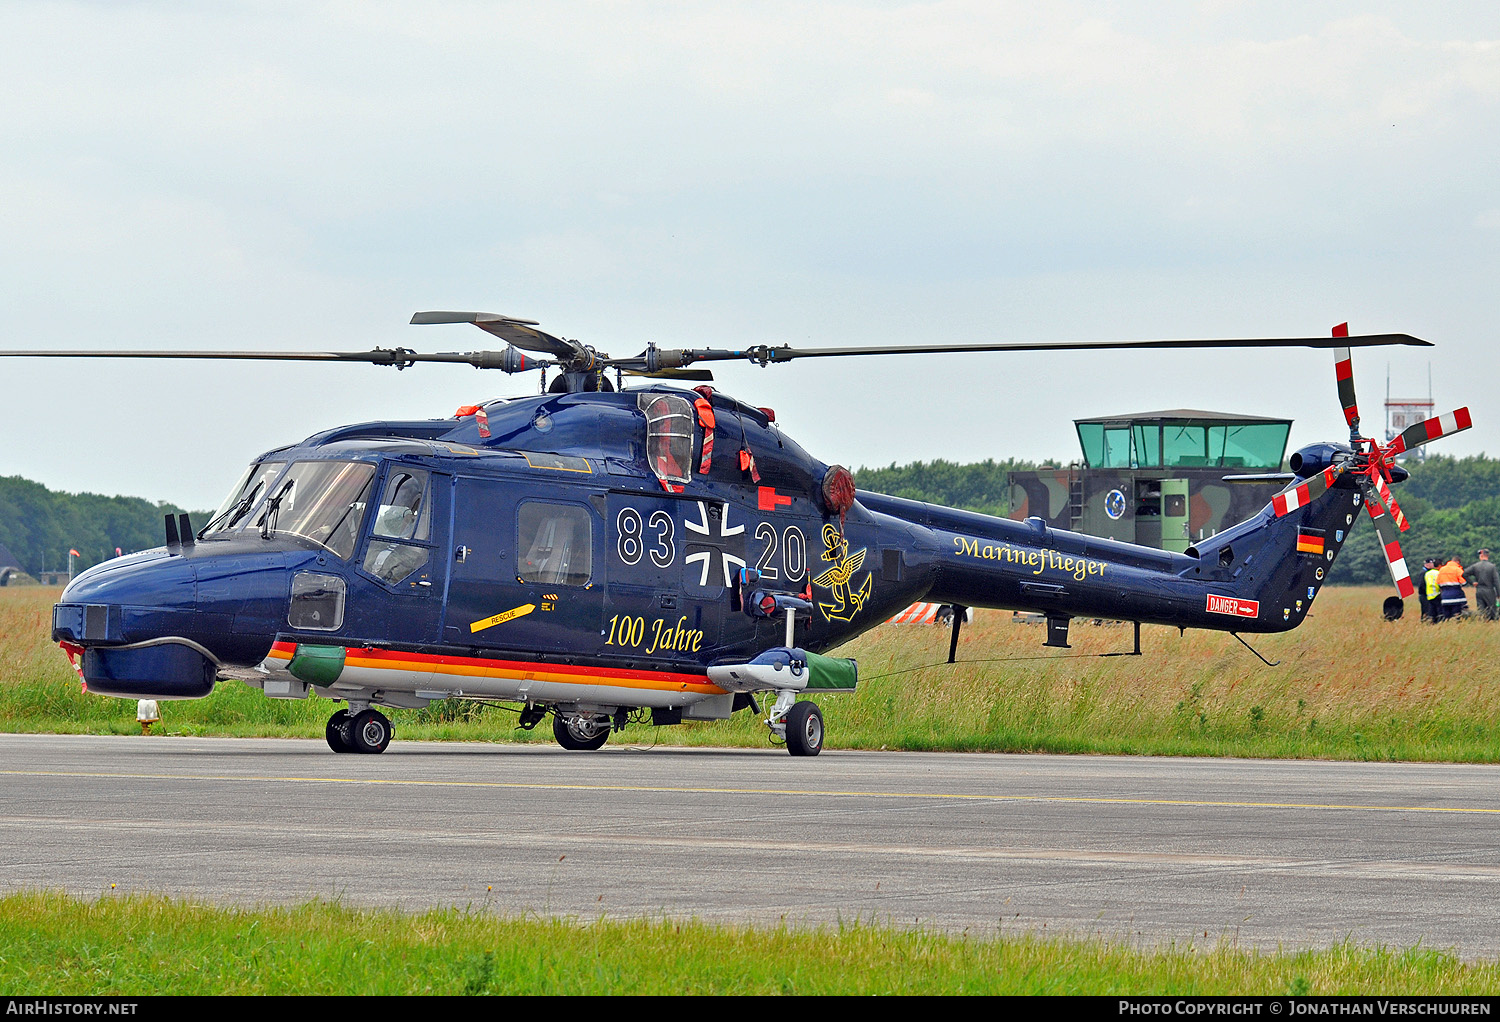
{"x":144,"y":945}
{"x":1348,"y":685}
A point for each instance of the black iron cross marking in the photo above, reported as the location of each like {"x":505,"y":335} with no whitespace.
{"x":728,"y":547}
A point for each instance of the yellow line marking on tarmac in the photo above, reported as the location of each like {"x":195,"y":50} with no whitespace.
{"x":804,"y":792}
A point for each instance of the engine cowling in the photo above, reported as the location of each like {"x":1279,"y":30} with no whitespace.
{"x":1314,"y":458}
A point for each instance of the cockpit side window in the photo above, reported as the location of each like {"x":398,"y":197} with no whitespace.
{"x":403,"y":519}
{"x":669,"y":436}
{"x":405,"y":512}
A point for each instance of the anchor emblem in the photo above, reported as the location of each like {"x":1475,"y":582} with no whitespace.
{"x":839,"y":579}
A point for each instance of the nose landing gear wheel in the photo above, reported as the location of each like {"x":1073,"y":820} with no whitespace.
{"x":369,"y":732}
{"x":338,"y":732}
{"x":578,"y":733}
{"x":804,"y":729}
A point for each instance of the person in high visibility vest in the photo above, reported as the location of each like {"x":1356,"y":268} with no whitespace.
{"x":1451,"y":583}
{"x":1428,"y":594}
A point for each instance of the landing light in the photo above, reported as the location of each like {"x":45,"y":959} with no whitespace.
{"x":146,"y":714}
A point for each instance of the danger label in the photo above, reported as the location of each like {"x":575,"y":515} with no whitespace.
{"x":1234,"y":608}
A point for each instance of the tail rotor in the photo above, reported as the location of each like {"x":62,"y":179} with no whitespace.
{"x":1371,"y":463}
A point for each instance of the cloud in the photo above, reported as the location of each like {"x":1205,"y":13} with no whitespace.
{"x":306,"y":175}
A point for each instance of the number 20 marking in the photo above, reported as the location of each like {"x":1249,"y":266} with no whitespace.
{"x":790,"y":544}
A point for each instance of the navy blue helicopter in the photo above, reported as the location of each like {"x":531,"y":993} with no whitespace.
{"x":662,"y":552}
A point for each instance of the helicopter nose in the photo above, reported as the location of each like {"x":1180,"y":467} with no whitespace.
{"x":160,"y":624}
{"x":156,"y":590}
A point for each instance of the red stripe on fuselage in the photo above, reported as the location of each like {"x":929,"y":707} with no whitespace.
{"x":397,"y":657}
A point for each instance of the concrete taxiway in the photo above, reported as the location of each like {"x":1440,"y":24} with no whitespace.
{"x":1264,"y":852}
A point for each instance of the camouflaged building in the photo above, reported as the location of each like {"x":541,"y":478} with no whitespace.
{"x":1157,"y":478}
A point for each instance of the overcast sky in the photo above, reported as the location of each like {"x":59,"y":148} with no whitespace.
{"x":303,"y":175}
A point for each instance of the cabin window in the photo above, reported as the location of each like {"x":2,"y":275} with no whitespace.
{"x":555,"y":544}
{"x":403,"y":519}
{"x":669,"y":436}
{"x":1185,"y":444}
{"x":317,"y":602}
{"x":1116,"y":447}
{"x":1147,"y":439}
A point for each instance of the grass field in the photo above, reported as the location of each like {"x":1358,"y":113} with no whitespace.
{"x":1349,"y":685}
{"x":52,"y":944}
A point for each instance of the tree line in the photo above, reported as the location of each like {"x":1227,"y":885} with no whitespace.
{"x":1453,"y":505}
{"x":40,"y":526}
{"x":981,"y":486}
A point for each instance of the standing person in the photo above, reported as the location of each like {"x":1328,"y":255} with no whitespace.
{"x":1451,"y":583}
{"x":1431,"y":590}
{"x":1486,"y":579}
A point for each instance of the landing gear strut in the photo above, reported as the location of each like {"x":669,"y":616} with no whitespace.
{"x":800,"y":724}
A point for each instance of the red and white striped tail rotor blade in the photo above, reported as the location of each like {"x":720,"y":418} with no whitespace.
{"x":1430,"y":429}
{"x":1393,"y":558}
{"x":1343,"y":372}
{"x":1306,"y":493}
{"x":1389,"y":500}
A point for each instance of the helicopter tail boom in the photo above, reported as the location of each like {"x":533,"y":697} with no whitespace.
{"x":1259,"y":576}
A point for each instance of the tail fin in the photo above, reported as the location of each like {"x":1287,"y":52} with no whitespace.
{"x":1280,"y":558}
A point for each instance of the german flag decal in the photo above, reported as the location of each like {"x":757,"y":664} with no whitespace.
{"x":1309,"y":542}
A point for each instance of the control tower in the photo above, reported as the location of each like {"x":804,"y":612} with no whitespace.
{"x":1157,"y":478}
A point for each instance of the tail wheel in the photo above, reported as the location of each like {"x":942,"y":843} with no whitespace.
{"x":804,"y":729}
{"x":337,"y":732}
{"x":369,"y":732}
{"x":578,"y":733}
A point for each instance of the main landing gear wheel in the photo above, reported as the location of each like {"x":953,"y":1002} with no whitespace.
{"x":804,"y":729}
{"x":338,"y":732}
{"x":577,"y":733}
{"x":369,"y":732}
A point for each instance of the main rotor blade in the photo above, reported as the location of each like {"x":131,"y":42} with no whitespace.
{"x":1259,"y":477}
{"x":1343,"y":373}
{"x":398,"y":357}
{"x":1430,"y":429}
{"x":520,"y":332}
{"x":701,"y":375}
{"x":765,"y":354}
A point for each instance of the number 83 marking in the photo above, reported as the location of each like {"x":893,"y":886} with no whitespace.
{"x":632,"y":541}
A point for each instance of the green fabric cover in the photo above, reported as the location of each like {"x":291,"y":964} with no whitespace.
{"x":831,"y":673}
{"x":317,"y":665}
